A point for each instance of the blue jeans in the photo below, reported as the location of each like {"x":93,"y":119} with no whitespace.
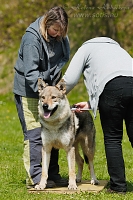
{"x":116,"y":105}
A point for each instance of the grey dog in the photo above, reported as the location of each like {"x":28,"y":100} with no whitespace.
{"x":62,"y":128}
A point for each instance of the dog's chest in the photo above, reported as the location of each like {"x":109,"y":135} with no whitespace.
{"x":58,"y":138}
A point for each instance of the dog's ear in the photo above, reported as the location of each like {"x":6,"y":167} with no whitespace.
{"x":61,"y":86}
{"x":41,"y":85}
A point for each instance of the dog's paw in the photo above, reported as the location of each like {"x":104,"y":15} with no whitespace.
{"x":40,"y":187}
{"x":72,"y":187}
{"x":94,"y":182}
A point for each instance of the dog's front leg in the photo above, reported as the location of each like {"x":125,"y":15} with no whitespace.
{"x":45,"y":166}
{"x":71,"y":165}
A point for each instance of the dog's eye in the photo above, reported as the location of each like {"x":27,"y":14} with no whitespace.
{"x":53,"y":97}
{"x":43,"y":97}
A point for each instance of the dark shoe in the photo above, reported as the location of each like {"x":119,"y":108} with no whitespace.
{"x":113,"y":191}
{"x":50,"y":184}
{"x":61,"y":182}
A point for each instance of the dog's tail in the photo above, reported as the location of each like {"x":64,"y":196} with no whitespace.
{"x":86,"y":159}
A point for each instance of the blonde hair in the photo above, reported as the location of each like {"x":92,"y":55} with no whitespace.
{"x":54,"y":15}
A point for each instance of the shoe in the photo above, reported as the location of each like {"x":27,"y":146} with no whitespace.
{"x":113,"y":191}
{"x":30,"y":186}
{"x":50,"y":184}
{"x":61,"y":182}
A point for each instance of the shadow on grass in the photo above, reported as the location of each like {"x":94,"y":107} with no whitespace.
{"x":129,"y":186}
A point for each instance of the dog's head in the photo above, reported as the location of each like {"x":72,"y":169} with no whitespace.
{"x":50,"y":97}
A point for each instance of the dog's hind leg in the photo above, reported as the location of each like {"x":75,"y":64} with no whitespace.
{"x":89,"y":156}
{"x":94,"y":180}
{"x":80,"y":163}
{"x":45,"y":166}
{"x":71,"y":165}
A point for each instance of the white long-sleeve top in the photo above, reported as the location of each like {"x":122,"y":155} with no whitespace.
{"x":100,"y":60}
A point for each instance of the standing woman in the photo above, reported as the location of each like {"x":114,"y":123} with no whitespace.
{"x":44,"y":50}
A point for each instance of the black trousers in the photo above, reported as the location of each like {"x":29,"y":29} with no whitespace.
{"x":27,"y":109}
{"x":116,"y":106}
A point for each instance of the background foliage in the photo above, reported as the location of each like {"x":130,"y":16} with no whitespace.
{"x":87,"y":19}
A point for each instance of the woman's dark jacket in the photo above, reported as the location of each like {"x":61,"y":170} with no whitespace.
{"x":33,"y":62}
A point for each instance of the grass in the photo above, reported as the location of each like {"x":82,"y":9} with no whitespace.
{"x":12,"y":172}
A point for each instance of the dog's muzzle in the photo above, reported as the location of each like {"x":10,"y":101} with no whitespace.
{"x":47,"y":112}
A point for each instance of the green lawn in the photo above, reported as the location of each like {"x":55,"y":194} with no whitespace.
{"x":12,"y":172}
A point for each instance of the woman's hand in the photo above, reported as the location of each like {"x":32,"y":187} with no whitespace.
{"x":81,"y":106}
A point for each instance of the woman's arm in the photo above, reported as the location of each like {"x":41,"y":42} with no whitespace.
{"x":75,"y":69}
{"x":31,"y":60}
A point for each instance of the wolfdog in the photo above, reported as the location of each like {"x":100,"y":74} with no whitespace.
{"x":62,"y":128}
